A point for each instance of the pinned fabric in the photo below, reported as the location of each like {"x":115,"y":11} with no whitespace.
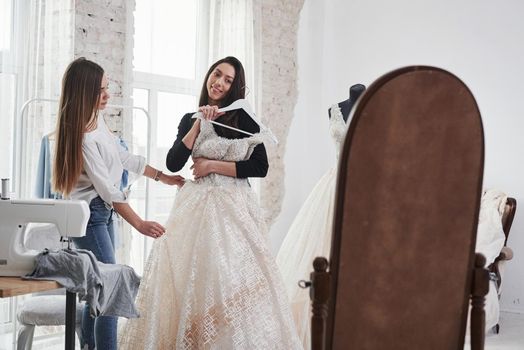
{"x":109,"y":289}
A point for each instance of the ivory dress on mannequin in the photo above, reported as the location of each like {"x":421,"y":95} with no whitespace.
{"x":211,"y":281}
{"x":309,"y":236}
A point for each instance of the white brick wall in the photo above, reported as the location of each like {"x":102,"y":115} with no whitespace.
{"x":279,"y":26}
{"x":100,"y":35}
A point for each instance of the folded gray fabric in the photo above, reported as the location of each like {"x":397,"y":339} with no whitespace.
{"x":108,"y":289}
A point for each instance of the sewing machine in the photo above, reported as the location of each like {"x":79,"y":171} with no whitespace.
{"x":69,"y":216}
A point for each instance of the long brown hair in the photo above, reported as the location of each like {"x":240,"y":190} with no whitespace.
{"x":77,"y":109}
{"x":236,"y":91}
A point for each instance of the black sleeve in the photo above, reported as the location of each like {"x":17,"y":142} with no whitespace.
{"x":179,"y":153}
{"x":257,"y":165}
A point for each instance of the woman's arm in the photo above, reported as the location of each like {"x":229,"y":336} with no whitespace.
{"x":256,"y":166}
{"x":189,"y":139}
{"x":186,"y":137}
{"x":203,"y":167}
{"x":148,"y":228}
{"x":158,"y":175}
{"x":208,"y":113}
{"x":179,"y":153}
{"x":98,"y":173}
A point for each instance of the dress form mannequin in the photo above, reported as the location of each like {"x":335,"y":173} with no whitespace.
{"x":309,"y":235}
{"x":354,"y":93}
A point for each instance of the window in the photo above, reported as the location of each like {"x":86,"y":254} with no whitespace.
{"x":170,"y":61}
{"x":5,"y":24}
{"x":7,"y":98}
{"x":13,"y":17}
{"x":165,"y":37}
{"x":7,"y":87}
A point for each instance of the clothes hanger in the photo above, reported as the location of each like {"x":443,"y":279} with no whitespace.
{"x":241,"y":103}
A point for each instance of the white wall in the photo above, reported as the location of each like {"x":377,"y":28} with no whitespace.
{"x":310,"y":121}
{"x":346,"y":42}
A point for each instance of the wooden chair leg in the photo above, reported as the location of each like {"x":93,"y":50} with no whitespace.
{"x":319,"y":294}
{"x":479,"y":289}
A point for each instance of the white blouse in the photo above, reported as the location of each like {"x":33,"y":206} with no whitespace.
{"x":104,"y":161}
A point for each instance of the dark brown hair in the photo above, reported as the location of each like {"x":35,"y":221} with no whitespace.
{"x":236,"y":91}
{"x":77,"y":109}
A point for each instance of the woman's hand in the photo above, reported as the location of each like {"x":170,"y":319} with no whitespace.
{"x":210,"y":112}
{"x":172,"y":180}
{"x":201,"y":167}
{"x":147,"y":228}
{"x":151,"y":229}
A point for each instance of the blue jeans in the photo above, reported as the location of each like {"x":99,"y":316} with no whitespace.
{"x":100,"y":240}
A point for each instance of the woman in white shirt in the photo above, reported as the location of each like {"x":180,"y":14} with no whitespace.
{"x":88,"y":165}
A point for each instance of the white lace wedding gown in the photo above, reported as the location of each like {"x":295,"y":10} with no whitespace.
{"x":211,"y":281}
{"x":309,"y":236}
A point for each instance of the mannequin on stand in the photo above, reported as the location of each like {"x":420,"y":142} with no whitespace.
{"x":345,"y":106}
{"x":309,"y":235}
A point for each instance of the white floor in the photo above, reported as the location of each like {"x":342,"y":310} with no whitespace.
{"x":510,"y":337}
{"x":511,"y":334}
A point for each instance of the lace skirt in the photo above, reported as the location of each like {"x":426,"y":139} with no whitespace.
{"x":309,"y":236}
{"x":210,"y":281}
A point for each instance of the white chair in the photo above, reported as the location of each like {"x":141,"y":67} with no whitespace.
{"x":43,"y":309}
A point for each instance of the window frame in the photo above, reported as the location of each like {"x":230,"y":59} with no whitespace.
{"x":154,"y":84}
{"x":20,"y":15}
{"x":8,"y":51}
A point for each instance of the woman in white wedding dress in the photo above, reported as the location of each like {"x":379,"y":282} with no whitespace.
{"x":211,"y":282}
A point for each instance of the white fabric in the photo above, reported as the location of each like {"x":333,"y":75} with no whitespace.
{"x":490,"y":240}
{"x":47,"y":40}
{"x":491,"y":309}
{"x":104,"y":162}
{"x":490,"y":235}
{"x":211,"y":281}
{"x":492,"y":306}
{"x":48,"y":310}
{"x":309,"y":236}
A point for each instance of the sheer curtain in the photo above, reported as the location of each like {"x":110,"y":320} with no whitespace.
{"x":48,"y":48}
{"x":30,"y":54}
{"x":233,"y":29}
{"x":12,"y":19}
